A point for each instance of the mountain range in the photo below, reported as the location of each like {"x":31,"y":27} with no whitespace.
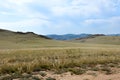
{"x":76,"y":36}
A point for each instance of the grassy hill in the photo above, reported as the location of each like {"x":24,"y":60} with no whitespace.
{"x":10,"y":39}
{"x":100,"y":40}
{"x":18,"y":40}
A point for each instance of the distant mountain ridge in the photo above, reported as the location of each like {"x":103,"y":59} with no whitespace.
{"x":90,"y":36}
{"x":77,"y":36}
{"x":113,"y":35}
{"x":67,"y":36}
{"x":4,"y":33}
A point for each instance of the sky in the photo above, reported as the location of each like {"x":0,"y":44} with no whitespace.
{"x":61,"y":16}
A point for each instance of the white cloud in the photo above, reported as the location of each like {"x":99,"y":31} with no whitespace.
{"x":57,"y":14}
{"x":52,"y":3}
{"x":63,"y":7}
{"x":20,"y":2}
{"x":85,"y":11}
{"x":109,"y":22}
{"x":23,"y":24}
{"x":84,"y":8}
{"x":19,"y":8}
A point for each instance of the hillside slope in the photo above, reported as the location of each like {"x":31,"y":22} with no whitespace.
{"x":10,"y":39}
{"x":100,"y":40}
{"x":20,"y":40}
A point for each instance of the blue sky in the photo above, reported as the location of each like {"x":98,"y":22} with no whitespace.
{"x":61,"y":16}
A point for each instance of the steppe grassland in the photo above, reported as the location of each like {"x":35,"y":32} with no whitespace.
{"x":63,"y":58}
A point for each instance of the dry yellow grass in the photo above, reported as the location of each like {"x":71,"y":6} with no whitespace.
{"x":29,"y":60}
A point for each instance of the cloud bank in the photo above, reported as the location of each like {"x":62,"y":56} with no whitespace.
{"x":61,"y":16}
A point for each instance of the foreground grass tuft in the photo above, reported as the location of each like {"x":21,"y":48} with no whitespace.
{"x":28,"y":61}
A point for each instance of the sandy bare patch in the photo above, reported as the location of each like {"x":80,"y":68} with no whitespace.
{"x":103,"y":73}
{"x":89,"y":75}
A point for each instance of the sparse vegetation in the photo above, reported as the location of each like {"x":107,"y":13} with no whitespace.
{"x":20,"y":61}
{"x":43,"y":74}
{"x":76,"y":71}
{"x":20,"y":57}
{"x":49,"y":78}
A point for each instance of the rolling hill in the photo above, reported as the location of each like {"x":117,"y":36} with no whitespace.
{"x":99,"y":40}
{"x":20,"y":40}
{"x":10,"y":39}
